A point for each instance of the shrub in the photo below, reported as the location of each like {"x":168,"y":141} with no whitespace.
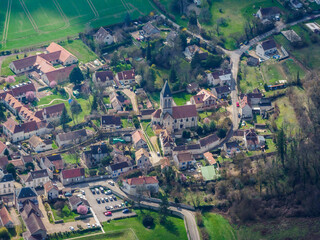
{"x":53,"y":84}
{"x":147,"y":221}
{"x":204,"y":234}
{"x":30,"y":96}
{"x":10,"y":79}
{"x":4,"y":234}
{"x":66,"y":211}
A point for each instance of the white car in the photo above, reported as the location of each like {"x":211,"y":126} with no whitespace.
{"x":88,"y":225}
{"x":71,"y":228}
{"x":111,"y":183}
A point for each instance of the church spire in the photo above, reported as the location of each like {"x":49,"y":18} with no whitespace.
{"x":166,"y":92}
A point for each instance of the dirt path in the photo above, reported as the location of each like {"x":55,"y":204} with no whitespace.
{"x":6,"y":23}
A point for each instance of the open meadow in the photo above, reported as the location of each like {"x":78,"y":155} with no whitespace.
{"x":33,"y":22}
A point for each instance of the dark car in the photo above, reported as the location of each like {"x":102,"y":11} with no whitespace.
{"x":125,"y":210}
{"x":98,"y":200}
{"x":114,"y":198}
{"x":107,"y":208}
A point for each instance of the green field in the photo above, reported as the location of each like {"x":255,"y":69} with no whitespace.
{"x":181,"y":98}
{"x":33,"y":22}
{"x":218,"y":227}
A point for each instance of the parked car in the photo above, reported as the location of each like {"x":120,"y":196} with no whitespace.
{"x":238,"y":105}
{"x":98,"y":200}
{"x":114,"y":198}
{"x":111,"y":183}
{"x":93,"y":191}
{"x":108,"y":192}
{"x":107,"y":208}
{"x":111,"y":207}
{"x":126,"y":210}
{"x":71,"y":228}
{"x":102,"y":200}
{"x":106,"y":199}
{"x":88,"y":225}
{"x":97,"y":190}
{"x":108,"y":213}
{"x":83,"y":192}
{"x":68,"y":194}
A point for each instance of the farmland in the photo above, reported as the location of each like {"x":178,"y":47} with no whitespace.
{"x":31,"y":23}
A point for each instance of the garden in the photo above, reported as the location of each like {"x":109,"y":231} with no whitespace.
{"x":61,"y":211}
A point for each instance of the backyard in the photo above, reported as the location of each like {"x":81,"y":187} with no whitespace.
{"x":70,"y":158}
{"x":147,"y":128}
{"x":48,"y":99}
{"x":61,"y":211}
{"x":181,"y":98}
{"x":80,"y":50}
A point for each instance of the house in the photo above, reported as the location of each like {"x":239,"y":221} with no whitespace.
{"x":296,"y":4}
{"x":150,"y":30}
{"x":106,"y":78}
{"x":54,"y":163}
{"x":139,"y":141}
{"x":42,"y":65}
{"x":69,"y":138}
{"x":51,"y":190}
{"x":103,"y":36}
{"x":143,"y":158}
{"x":253,"y":62}
{"x":3,"y":162}
{"x":266,"y":49}
{"x":75,"y":202}
{"x":126,"y":77}
{"x":3,"y":148}
{"x":6,"y":184}
{"x":18,"y":164}
{"x":252,"y":140}
{"x":192,"y":87}
{"x":21,"y":195}
{"x":209,"y":157}
{"x":171,"y":38}
{"x":18,"y":132}
{"x":70,"y":176}
{"x":265,"y":105}
{"x":116,"y":103}
{"x":209,"y":142}
{"x":204,"y":100}
{"x":231,"y":148}
{"x":5,"y":218}
{"x":291,"y":35}
{"x":174,"y":117}
{"x":39,"y":145}
{"x":221,"y":92}
{"x":36,"y":178}
{"x":146,"y":114}
{"x":254,"y":98}
{"x":95,"y":154}
{"x":167,"y":142}
{"x":246,"y":108}
{"x":19,"y":91}
{"x":140,"y":185}
{"x":110,"y":122}
{"x":31,"y":215}
{"x":270,"y":13}
{"x":27,"y":158}
{"x":52,"y":113}
{"x":183,"y":160}
{"x":191,"y":50}
{"x":219,"y":77}
{"x":314,"y":27}
{"x":117,"y":169}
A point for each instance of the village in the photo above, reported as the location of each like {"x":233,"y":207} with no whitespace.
{"x":83,"y":139}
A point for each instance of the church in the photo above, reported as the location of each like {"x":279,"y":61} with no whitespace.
{"x":172,"y":117}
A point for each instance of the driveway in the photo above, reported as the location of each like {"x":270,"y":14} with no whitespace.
{"x":133,"y":99}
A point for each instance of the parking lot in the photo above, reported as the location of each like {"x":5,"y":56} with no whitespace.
{"x":115,"y":206}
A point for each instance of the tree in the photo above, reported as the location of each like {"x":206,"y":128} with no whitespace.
{"x":94,"y":106}
{"x":76,"y":76}
{"x":66,"y":211}
{"x":75,"y":108}
{"x":127,"y":19}
{"x":65,"y":118}
{"x":199,"y":130}
{"x":30,"y":96}
{"x":10,"y":79}
{"x":4,"y":234}
{"x":212,"y":126}
{"x":196,"y":61}
{"x":82,"y":210}
{"x":114,"y":60}
{"x":213,"y":61}
{"x":186,"y":134}
{"x":107,"y":160}
{"x":147,"y":221}
{"x":53,"y":84}
{"x":11,"y":169}
{"x":164,"y":206}
{"x":148,"y":52}
{"x":193,"y":18}
{"x":6,"y":152}
{"x":29,"y":166}
{"x":136,"y":122}
{"x":299,"y":84}
{"x":93,"y":172}
{"x":173,"y":76}
{"x":281,"y":145}
{"x":222,"y":133}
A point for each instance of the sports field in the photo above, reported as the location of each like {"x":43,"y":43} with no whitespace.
{"x":26,"y":23}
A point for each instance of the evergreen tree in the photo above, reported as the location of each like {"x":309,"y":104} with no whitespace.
{"x":299,"y":84}
{"x":173,"y":76}
{"x":94,"y":106}
{"x":76,"y":76}
{"x":11,"y":169}
{"x":281,"y":145}
{"x":196,"y":60}
{"x":148,"y":52}
{"x":164,"y":205}
{"x":65,"y":118}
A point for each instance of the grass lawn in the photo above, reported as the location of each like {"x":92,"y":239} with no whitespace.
{"x":80,"y":50}
{"x":86,"y":109}
{"x":106,"y":100}
{"x":126,"y":124}
{"x":172,"y":229}
{"x":69,"y":218}
{"x":251,"y":78}
{"x":54,"y":145}
{"x":69,"y":158}
{"x":49,"y":98}
{"x":127,"y":234}
{"x":218,"y":227}
{"x":271,"y":146}
{"x":39,"y":22}
{"x":154,"y":97}
{"x":147,"y":128}
{"x":287,"y":115}
{"x":291,"y":69}
{"x":307,"y":55}
{"x":181,"y":98}
{"x":5,"y":70}
{"x":271,"y":72}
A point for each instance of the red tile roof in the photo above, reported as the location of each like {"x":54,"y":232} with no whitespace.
{"x":156,"y":114}
{"x":126,"y":75}
{"x":185,"y":111}
{"x":64,"y":54}
{"x":5,"y":216}
{"x":73,"y":173}
{"x":210,"y":158}
{"x":60,"y":74}
{"x":49,"y":185}
{"x":137,"y":136}
{"x":2,"y":147}
{"x":142,"y":180}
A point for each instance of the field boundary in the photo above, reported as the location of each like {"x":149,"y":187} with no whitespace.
{"x":63,"y":15}
{"x":6,"y":23}
{"x":33,"y":23}
{"x":93,"y":8}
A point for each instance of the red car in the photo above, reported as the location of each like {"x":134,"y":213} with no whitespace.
{"x":238,"y":105}
{"x":108,"y":213}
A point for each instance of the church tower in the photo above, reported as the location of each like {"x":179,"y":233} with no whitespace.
{"x":166,"y":99}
